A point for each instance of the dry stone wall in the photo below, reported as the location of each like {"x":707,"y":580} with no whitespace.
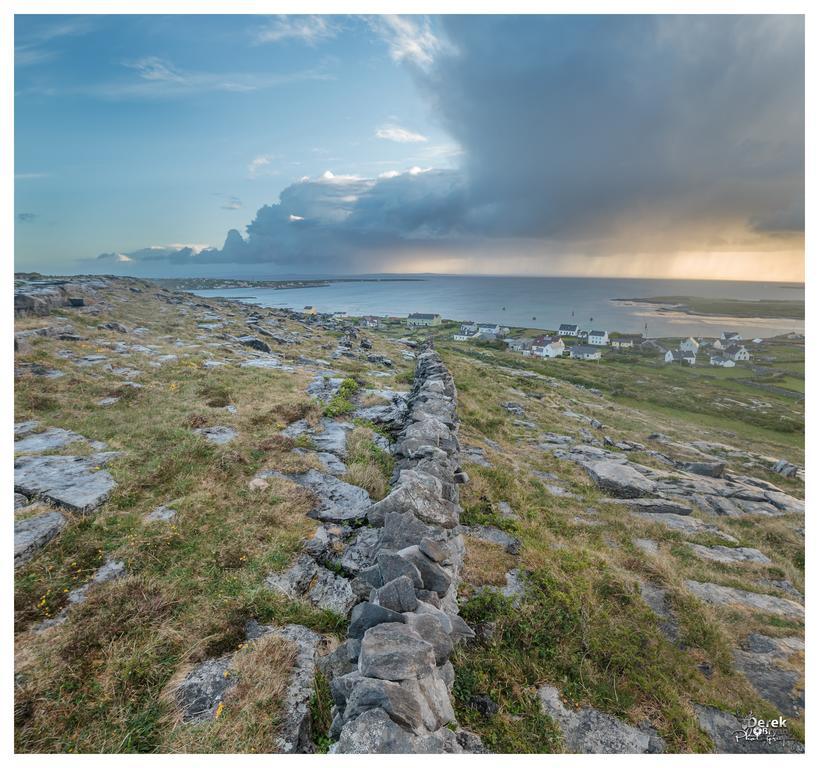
{"x":391,"y":679}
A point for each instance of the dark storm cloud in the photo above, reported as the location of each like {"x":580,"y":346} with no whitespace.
{"x":591,"y":131}
{"x":571,"y":123}
{"x":342,"y":221}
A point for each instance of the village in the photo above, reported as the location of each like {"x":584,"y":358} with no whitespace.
{"x":570,"y":340}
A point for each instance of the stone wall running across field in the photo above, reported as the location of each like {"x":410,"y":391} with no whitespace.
{"x":391,"y":679}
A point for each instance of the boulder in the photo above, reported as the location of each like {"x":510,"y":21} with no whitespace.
{"x":374,"y":732}
{"x":397,"y":595}
{"x":254,"y":343}
{"x":705,"y":468}
{"x":654,"y":506}
{"x":435,"y":578}
{"x":366,"y":615}
{"x":294,"y":732}
{"x":619,"y":479}
{"x":418,"y":499}
{"x":392,"y":566}
{"x":338,"y":501}
{"x":395,"y":652}
{"x":432,"y":630}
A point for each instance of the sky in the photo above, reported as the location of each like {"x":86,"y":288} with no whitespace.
{"x":265,"y":146}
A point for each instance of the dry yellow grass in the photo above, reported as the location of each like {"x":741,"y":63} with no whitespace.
{"x":485,"y":563}
{"x":247,"y":718}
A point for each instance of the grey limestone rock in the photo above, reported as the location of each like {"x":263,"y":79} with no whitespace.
{"x":725,"y":731}
{"x":32,"y":533}
{"x":366,"y":615}
{"x":717,"y":594}
{"x":720,"y":554}
{"x":620,"y":479}
{"x":75,"y":482}
{"x":395,"y":652}
{"x":217,"y":435}
{"x":589,"y":731}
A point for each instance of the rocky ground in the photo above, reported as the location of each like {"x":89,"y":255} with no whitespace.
{"x":238,"y":529}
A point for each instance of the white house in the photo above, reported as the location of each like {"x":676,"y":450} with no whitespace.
{"x":678,"y":356}
{"x":730,"y":336}
{"x":627,"y":341}
{"x":599,"y":338}
{"x":568,"y":329}
{"x":690,"y":345}
{"x":585,"y":352}
{"x":539,"y":343}
{"x":737,"y":352}
{"x":722,"y":362}
{"x":518,"y":345}
{"x":466,"y":331}
{"x":554,"y":349}
{"x":547,"y":346}
{"x":422,"y":318}
{"x":487,"y":330}
{"x":369,"y":321}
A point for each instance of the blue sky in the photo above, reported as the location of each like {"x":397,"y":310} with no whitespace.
{"x":546,"y":145}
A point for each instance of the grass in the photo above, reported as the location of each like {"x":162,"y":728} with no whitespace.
{"x":193,"y":583}
{"x":581,"y":624}
{"x":100,"y":682}
{"x":341,"y":403}
{"x":247,"y":717}
{"x":368,"y":465}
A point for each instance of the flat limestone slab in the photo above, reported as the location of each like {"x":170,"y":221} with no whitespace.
{"x":50,"y":440}
{"x":619,"y":479}
{"x":589,"y":731}
{"x":75,"y":482}
{"x":33,"y":533}
{"x":716,"y":594}
{"x":730,"y":554}
{"x":686,"y":525}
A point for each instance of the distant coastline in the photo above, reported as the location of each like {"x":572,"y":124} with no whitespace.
{"x":215,"y":284}
{"x":698,"y":306}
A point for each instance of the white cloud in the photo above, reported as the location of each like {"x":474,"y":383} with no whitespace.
{"x":399,"y":134}
{"x":160,"y":79}
{"x":308,"y":29}
{"x":154,"y":68}
{"x":409,"y":38}
{"x":260,"y":166}
{"x":33,"y":49}
{"x":231,"y":203}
